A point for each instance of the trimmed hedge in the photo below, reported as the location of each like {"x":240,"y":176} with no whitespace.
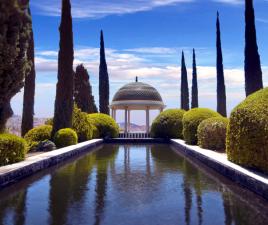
{"x":12,"y":149}
{"x":82,"y":125}
{"x":168,"y":124}
{"x":106,"y":125}
{"x":211,"y":133}
{"x":65,"y":137}
{"x":191,"y":121}
{"x":34,"y":136}
{"x":247,"y":132}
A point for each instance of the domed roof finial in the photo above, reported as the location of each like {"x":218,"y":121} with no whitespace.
{"x":136,"y":78}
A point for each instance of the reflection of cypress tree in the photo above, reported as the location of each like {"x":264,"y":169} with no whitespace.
{"x":227,"y":209}
{"x":101,"y":186}
{"x":199,"y":202}
{"x":20,"y":208}
{"x":72,"y":181}
{"x":187,"y":199}
{"x":16,"y":203}
{"x":187,"y":193}
{"x":60,"y":190}
{"x":103,"y":157}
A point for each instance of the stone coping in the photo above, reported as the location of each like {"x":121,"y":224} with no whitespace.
{"x":12,"y":173}
{"x":256,"y":182}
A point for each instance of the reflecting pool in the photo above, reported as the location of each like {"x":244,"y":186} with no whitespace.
{"x":130,"y":185}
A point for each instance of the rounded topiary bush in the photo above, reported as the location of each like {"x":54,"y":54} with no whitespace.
{"x":106,"y":125}
{"x":12,"y":149}
{"x":247,"y":132}
{"x":36,"y":135}
{"x":211,"y":133}
{"x":191,"y":121}
{"x":168,"y":124}
{"x":65,"y":137}
{"x":82,"y":125}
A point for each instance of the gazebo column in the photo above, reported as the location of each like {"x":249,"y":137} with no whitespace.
{"x":114,"y":114}
{"x":126,"y":120}
{"x":147,"y":120}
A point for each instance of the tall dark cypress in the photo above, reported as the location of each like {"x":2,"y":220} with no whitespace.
{"x":82,"y":91}
{"x":184,"y":85}
{"x":64,"y":93}
{"x":29,"y":90}
{"x":103,"y":81}
{"x":194,"y":84}
{"x":253,"y":72}
{"x":15,"y":27}
{"x":221,"y":92}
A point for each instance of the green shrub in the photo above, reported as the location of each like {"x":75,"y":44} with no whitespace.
{"x":191,"y":121}
{"x":211,"y":133}
{"x":36,"y":135}
{"x":12,"y":149}
{"x":96,"y":133}
{"x":106,"y":125}
{"x":65,"y":137}
{"x":168,"y":124}
{"x":82,"y":125}
{"x":247,"y":132}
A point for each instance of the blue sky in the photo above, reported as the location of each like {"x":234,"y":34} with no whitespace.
{"x":145,"y":38}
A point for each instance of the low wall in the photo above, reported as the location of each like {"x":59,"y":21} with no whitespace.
{"x":256,"y":182}
{"x":14,"y":172}
{"x":137,"y":141}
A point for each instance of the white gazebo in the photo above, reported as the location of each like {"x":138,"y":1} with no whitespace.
{"x":136,"y":96}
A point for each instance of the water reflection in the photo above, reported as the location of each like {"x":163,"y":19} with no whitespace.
{"x":126,"y":184}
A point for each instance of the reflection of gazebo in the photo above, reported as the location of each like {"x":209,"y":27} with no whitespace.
{"x":136,"y":96}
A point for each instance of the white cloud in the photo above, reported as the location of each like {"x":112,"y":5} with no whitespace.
{"x":125,"y":65}
{"x":97,"y":9}
{"x":232,"y":2}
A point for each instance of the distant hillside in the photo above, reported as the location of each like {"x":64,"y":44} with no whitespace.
{"x":14,"y":124}
{"x":133,"y":127}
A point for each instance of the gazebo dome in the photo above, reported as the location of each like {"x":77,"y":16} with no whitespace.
{"x":137,"y":91}
{"x":137,"y":96}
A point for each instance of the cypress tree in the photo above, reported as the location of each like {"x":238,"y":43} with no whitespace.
{"x":184,"y":85}
{"x":14,"y":40}
{"x":29,"y":90}
{"x":221,"y":93}
{"x":194,"y":84}
{"x":64,"y":93}
{"x":83,"y":92}
{"x":103,"y":81}
{"x":253,"y":72}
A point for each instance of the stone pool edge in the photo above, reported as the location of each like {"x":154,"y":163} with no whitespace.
{"x":256,"y":183}
{"x":10,"y":174}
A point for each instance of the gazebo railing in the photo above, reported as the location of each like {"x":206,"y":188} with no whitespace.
{"x":138,"y":135}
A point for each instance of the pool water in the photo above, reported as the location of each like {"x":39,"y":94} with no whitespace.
{"x":130,"y":185}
